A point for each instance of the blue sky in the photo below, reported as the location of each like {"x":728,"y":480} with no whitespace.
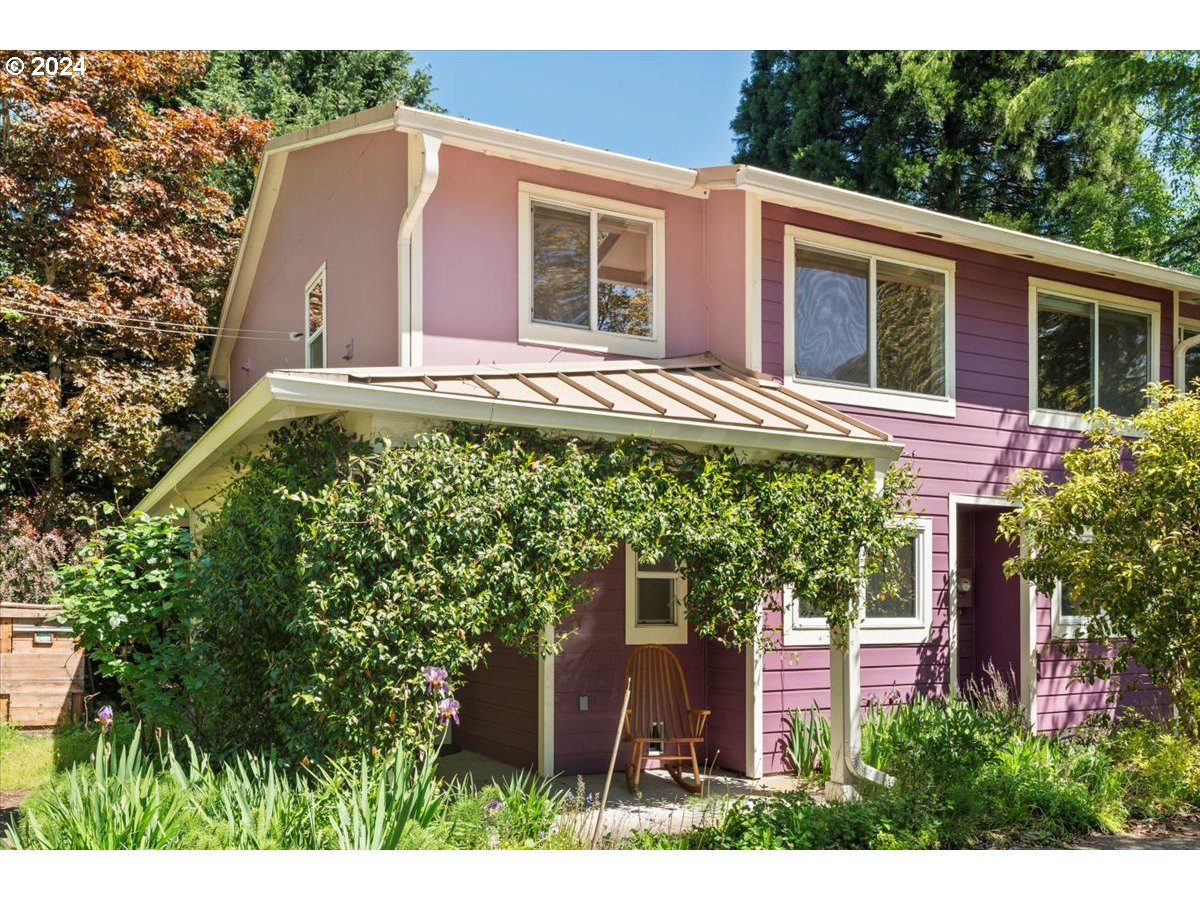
{"x":670,"y":106}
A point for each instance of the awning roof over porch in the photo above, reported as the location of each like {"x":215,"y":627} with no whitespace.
{"x":694,"y":401}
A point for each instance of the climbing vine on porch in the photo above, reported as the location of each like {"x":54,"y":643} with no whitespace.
{"x":359,"y":568}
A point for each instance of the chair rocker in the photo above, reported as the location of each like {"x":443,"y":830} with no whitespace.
{"x":660,"y":722}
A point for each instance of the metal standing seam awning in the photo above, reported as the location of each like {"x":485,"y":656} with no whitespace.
{"x":692,"y":401}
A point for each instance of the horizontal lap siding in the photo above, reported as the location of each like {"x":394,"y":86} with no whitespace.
{"x":726,"y":734}
{"x":499,"y":708}
{"x":978,"y":451}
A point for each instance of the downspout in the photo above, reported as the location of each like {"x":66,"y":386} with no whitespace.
{"x":423,"y":150}
{"x":1181,"y":351}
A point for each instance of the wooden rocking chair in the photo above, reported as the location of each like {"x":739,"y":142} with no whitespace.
{"x":660,"y":721}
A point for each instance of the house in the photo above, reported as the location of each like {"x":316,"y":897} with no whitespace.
{"x":405,"y":268}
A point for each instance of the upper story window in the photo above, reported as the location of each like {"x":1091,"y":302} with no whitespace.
{"x":901,"y":617}
{"x":1191,"y":359}
{"x":1090,"y":349}
{"x":591,"y":272}
{"x":869,"y":325}
{"x":314,"y":321}
{"x":654,"y":594}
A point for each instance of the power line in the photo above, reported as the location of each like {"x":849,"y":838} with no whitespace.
{"x":117,"y":323}
{"x":31,"y":308}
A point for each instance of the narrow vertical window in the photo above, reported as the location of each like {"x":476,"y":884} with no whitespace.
{"x":314,"y":322}
{"x":1191,"y":361}
{"x":654,"y":597}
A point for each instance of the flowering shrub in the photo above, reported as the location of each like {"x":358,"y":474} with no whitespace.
{"x":342,"y":593}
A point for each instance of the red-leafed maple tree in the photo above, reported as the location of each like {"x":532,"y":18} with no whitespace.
{"x":114,"y":248}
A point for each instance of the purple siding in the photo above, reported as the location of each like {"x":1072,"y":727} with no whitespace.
{"x":976,"y":452}
{"x":592,"y":663}
{"x":499,"y":708}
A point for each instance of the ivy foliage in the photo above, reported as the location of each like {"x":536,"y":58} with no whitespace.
{"x":335,"y":574}
{"x":1122,"y":534}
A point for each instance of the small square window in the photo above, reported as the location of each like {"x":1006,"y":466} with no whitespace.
{"x":654,"y":593}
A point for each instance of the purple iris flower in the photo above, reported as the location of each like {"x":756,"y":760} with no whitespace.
{"x":105,"y":717}
{"x":494,"y":806}
{"x":435,"y":680}
{"x":448,"y":709}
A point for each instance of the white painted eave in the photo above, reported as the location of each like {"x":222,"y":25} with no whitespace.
{"x":278,"y":396}
{"x":788,"y":190}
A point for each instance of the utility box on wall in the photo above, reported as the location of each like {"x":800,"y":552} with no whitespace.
{"x":41,"y":669}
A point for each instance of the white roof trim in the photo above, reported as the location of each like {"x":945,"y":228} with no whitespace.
{"x":278,"y":396}
{"x":845,"y":204}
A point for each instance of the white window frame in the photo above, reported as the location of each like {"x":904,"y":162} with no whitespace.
{"x":1064,"y":627}
{"x":814,"y":632}
{"x":323,"y":331}
{"x":576,"y":337}
{"x":864,"y":395}
{"x":1047,"y":418}
{"x":1186,"y":325}
{"x":676,"y":633}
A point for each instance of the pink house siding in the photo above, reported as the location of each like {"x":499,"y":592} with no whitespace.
{"x":499,"y":708}
{"x":977,"y":452}
{"x":340,"y":204}
{"x":470,"y":260}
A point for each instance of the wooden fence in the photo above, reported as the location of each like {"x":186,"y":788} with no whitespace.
{"x":41,"y":669}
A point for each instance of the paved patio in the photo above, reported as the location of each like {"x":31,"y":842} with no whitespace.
{"x":659,"y":806}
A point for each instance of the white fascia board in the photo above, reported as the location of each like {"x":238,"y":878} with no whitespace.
{"x":250,"y":247}
{"x":252,"y":410}
{"x":547,"y":152}
{"x":789,"y":190}
{"x":300,"y":391}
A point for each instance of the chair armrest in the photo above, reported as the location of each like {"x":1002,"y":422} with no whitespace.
{"x":697,"y":718}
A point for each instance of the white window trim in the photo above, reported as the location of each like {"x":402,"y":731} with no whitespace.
{"x":1047,"y":418}
{"x":323,"y":331}
{"x":815,"y":632}
{"x":876,"y":398}
{"x":529,"y":331}
{"x":1065,"y":627}
{"x":651,"y":634}
{"x":1185,"y":324}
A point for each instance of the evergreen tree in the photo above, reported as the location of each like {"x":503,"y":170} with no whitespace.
{"x":929,"y":128}
{"x":298,"y":88}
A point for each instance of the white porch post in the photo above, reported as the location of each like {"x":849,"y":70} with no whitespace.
{"x":845,"y":715}
{"x":545,"y":706}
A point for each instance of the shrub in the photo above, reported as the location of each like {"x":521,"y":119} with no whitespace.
{"x":29,"y":558}
{"x":131,"y":598}
{"x":1158,"y":768}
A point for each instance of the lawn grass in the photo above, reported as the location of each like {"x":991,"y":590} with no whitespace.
{"x":31,"y":759}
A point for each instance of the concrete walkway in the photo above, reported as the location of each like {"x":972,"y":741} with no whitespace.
{"x":660,"y":804}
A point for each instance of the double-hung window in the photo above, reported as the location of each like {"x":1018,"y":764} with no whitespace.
{"x":1090,"y":349}
{"x":869,"y":325}
{"x":314,"y":321}
{"x":591,"y":272}
{"x":654,"y":595}
{"x":900,"y":616}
